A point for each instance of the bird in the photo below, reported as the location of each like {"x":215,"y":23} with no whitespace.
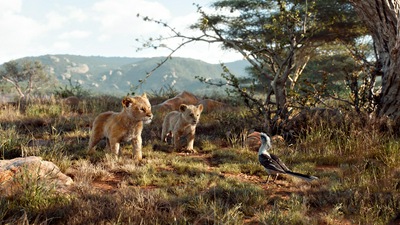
{"x":273,"y":165}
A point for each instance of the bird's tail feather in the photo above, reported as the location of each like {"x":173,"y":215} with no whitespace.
{"x":302,"y":176}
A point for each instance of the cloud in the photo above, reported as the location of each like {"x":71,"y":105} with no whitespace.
{"x":17,"y":31}
{"x":95,"y":27}
{"x":208,"y":52}
{"x":120,"y":16}
{"x":104,"y":38}
{"x":62,"y":16}
{"x":25,"y":33}
{"x":118,"y":26}
{"x":10,"y":6}
{"x":55,"y":20}
{"x":61,"y":45}
{"x":78,"y":14}
{"x":75,"y":34}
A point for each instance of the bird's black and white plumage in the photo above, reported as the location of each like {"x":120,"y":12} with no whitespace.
{"x":272,"y":164}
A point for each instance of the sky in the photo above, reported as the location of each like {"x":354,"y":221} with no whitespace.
{"x":98,"y":28}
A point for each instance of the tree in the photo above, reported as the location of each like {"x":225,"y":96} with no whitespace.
{"x":278,"y":37}
{"x":382,"y":17}
{"x":25,"y":78}
{"x":274,"y":36}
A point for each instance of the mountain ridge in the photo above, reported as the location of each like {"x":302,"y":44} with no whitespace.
{"x":116,"y":75}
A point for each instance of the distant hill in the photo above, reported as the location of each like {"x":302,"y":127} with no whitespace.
{"x":115,"y":75}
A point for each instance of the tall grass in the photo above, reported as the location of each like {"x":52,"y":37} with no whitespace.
{"x":356,"y":161}
{"x":31,"y":199}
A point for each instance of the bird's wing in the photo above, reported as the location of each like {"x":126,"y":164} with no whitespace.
{"x":279,"y":161}
{"x":270,"y":164}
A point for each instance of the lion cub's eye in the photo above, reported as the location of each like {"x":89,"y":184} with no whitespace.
{"x":191,"y":114}
{"x":142,"y":109}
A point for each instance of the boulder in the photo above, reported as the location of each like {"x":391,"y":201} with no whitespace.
{"x":188,"y":98}
{"x":210,"y":105}
{"x":70,"y":103}
{"x":253,"y":141}
{"x":19,"y":172}
{"x":174,"y":103}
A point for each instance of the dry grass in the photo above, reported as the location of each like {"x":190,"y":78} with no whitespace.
{"x":357,"y":163}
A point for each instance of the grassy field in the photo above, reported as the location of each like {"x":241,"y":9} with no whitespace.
{"x":358,"y":164}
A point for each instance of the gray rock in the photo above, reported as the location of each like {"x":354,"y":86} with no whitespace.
{"x":17,"y":173}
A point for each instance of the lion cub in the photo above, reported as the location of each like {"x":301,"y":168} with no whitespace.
{"x":181,"y":125}
{"x":126,"y":125}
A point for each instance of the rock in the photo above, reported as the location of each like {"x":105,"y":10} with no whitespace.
{"x":70,"y":103}
{"x":172,"y":104}
{"x":188,"y":98}
{"x":19,"y":172}
{"x":212,"y":105}
{"x":253,"y":141}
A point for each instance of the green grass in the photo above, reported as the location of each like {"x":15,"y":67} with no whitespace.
{"x":221,"y":184}
{"x":32,"y":199}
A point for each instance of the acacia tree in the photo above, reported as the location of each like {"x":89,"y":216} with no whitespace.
{"x":277,"y":37}
{"x":274,"y":37}
{"x":382,"y":17}
{"x":336,"y":74}
{"x":24,"y":78}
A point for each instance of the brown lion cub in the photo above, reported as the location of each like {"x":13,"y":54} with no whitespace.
{"x":126,"y":125}
{"x":181,"y":125}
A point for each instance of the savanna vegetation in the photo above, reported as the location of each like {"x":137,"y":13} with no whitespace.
{"x":319,"y":78}
{"x":223,"y":183}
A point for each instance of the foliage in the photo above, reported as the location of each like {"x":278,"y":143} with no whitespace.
{"x":9,"y":146}
{"x":27,"y":77}
{"x":164,"y":93}
{"x":278,"y":38}
{"x":236,"y":88}
{"x":71,"y":90}
{"x":36,"y":197}
{"x":342,"y":72}
{"x":385,"y":36}
{"x":290,"y":35}
{"x":356,"y":162}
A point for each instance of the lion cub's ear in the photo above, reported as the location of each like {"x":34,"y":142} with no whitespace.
{"x":200,"y":107}
{"x":144,"y":95}
{"x":127,"y":101}
{"x":183,"y":107}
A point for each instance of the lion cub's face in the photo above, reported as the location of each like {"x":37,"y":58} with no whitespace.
{"x":191,"y":113}
{"x":138,"y":108}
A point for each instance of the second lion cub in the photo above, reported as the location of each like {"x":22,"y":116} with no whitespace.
{"x":182,"y":125}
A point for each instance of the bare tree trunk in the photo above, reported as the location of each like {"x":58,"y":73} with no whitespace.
{"x":279,"y":87}
{"x":16,"y":85}
{"x":298,"y":71}
{"x":382,"y":19}
{"x":301,"y":58}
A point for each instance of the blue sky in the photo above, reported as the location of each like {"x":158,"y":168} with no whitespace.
{"x":96,"y":27}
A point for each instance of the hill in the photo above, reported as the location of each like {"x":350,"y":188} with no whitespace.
{"x":116,"y":75}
